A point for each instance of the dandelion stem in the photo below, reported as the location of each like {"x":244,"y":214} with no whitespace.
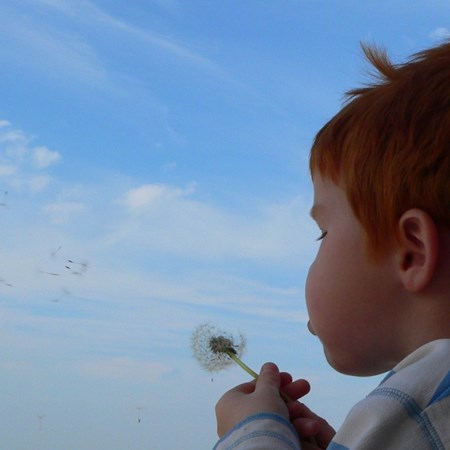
{"x":251,"y":372}
{"x":240,"y":363}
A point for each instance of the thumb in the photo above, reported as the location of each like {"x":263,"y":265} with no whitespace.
{"x":269,"y":378}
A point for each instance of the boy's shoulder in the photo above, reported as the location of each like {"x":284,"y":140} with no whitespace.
{"x":422,"y":375}
{"x":409,"y":409}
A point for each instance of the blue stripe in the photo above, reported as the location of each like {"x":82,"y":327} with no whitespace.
{"x":336,"y":446}
{"x":388,"y":375}
{"x":264,"y":434}
{"x":442,"y":391}
{"x":415,"y":412}
{"x":253,"y":418}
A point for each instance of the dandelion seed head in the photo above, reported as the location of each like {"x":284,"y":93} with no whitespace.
{"x":211,"y":346}
{"x":221,"y":344}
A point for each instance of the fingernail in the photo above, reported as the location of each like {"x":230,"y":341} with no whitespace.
{"x":269,"y":367}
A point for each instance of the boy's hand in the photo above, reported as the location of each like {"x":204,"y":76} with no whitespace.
{"x":262,"y":395}
{"x":310,"y":425}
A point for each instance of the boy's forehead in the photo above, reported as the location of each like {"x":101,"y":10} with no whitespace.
{"x":328,"y":197}
{"x":319,"y":190}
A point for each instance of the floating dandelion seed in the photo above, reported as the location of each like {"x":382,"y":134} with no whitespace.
{"x":216,"y":349}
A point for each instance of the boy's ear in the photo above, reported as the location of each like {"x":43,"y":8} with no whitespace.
{"x":418,"y":249}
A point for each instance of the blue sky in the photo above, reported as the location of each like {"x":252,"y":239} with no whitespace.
{"x":153,"y":176}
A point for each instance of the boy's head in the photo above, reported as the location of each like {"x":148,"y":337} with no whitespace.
{"x":381,"y":173}
{"x":389,"y":147}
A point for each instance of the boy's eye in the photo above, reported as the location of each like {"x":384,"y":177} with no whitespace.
{"x":323,"y":233}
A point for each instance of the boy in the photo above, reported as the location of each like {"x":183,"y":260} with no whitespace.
{"x":378,"y":292}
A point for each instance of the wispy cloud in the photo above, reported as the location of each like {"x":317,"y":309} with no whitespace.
{"x":50,"y":49}
{"x":7,"y":170}
{"x":62,"y":211}
{"x":440,"y":33}
{"x":172,"y":220}
{"x":124,"y":369}
{"x":89,"y":13}
{"x":142,"y":225}
{"x":22,"y":165}
{"x":43,"y":157}
{"x":138,"y":199}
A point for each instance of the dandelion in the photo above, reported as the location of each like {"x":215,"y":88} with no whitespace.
{"x":216,"y":349}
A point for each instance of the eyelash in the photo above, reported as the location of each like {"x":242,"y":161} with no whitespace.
{"x":322,"y":235}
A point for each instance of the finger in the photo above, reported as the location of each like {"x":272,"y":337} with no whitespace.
{"x":309,"y":446}
{"x":245,"y":388}
{"x":297,"y":389}
{"x":307,"y":422}
{"x":269,"y":378}
{"x":297,"y":412}
{"x":286,"y":378}
{"x":306,"y":427}
{"x":305,"y":412}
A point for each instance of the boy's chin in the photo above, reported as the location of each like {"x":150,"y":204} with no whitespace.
{"x":353,"y":367}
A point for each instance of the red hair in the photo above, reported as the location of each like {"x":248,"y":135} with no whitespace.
{"x":389,"y":147}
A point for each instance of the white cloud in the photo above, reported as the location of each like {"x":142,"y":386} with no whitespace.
{"x":43,"y":157}
{"x":440,"y":33}
{"x":171,"y":220}
{"x":89,"y":12}
{"x":10,"y":139}
{"x":149,"y":194}
{"x":7,"y":169}
{"x":19,"y":161}
{"x":60,"y":212}
{"x":64,"y":52}
{"x":64,"y":207}
{"x":38,"y":183}
{"x":144,"y":195}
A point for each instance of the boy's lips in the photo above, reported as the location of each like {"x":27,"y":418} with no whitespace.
{"x":310,"y":328}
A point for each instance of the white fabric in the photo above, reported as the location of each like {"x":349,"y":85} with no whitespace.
{"x":265,"y":431}
{"x":410,"y":409}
